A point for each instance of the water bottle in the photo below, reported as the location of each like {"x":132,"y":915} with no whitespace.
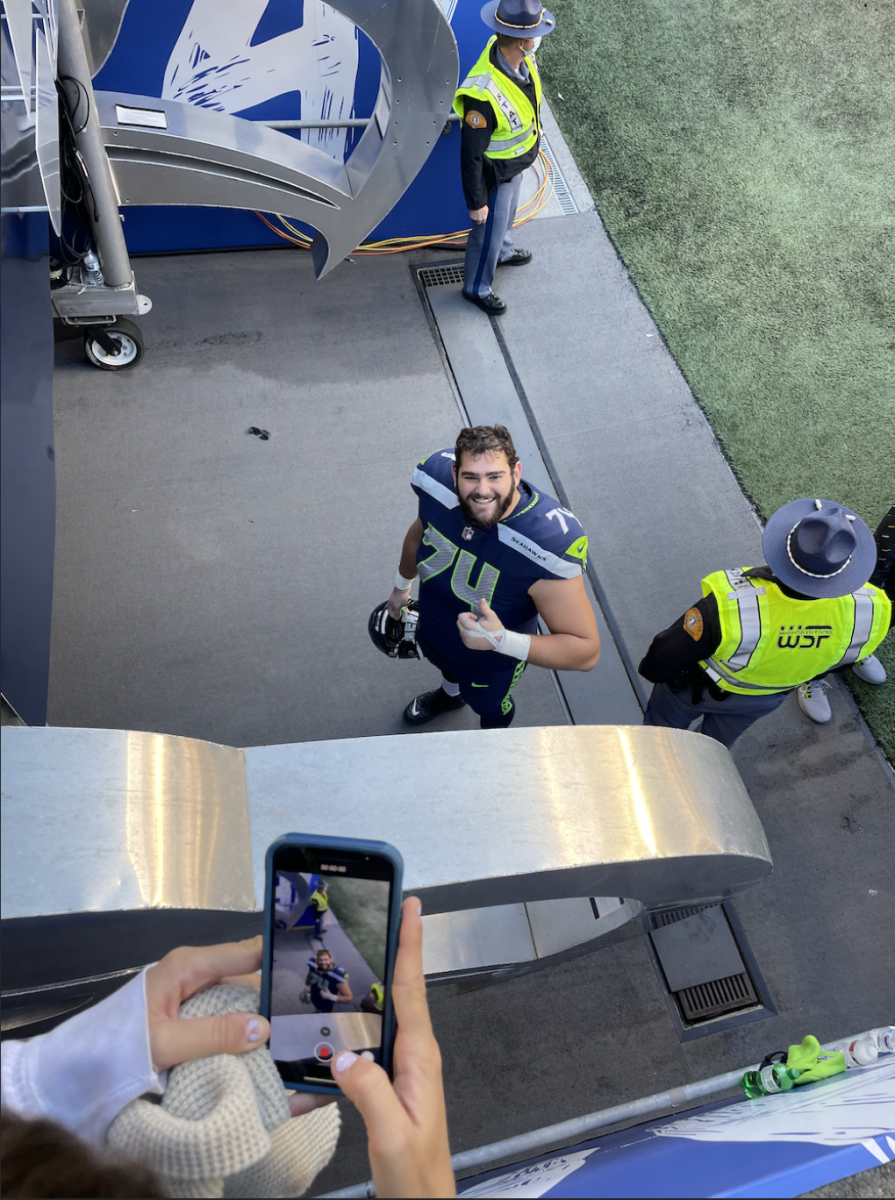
{"x":883,"y":1039}
{"x":860,"y":1052}
{"x":93,"y":275}
{"x":769,"y":1080}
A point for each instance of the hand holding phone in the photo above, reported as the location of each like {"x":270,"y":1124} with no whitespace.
{"x":332,"y":912}
{"x":406,"y":1123}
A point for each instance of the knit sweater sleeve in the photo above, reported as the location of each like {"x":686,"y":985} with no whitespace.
{"x":83,"y":1072}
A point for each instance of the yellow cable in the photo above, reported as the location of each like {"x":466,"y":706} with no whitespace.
{"x":530,"y":209}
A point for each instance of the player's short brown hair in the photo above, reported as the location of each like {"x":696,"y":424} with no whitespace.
{"x":328,"y":954}
{"x":477,"y":440}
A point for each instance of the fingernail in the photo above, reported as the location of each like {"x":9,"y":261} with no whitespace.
{"x":345,"y":1060}
{"x":254,"y":1030}
{"x":419,"y":910}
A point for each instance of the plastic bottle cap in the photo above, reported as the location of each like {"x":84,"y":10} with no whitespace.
{"x":863,"y":1052}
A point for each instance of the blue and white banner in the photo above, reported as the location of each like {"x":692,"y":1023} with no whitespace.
{"x":270,"y":60}
{"x":780,"y":1145}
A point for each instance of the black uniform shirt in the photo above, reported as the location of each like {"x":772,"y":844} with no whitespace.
{"x":674,"y":656}
{"x":480,"y":174}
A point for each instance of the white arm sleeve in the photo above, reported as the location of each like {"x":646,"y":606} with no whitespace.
{"x":84,"y":1071}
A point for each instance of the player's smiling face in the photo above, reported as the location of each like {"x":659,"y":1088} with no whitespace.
{"x":486,"y":487}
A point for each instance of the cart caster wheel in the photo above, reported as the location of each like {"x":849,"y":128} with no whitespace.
{"x":125,"y":350}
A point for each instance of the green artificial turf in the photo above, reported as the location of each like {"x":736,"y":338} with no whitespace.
{"x":741,"y":154}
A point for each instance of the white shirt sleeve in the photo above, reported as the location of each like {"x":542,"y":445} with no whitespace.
{"x":83,"y":1072}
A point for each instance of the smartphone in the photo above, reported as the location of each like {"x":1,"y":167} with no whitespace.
{"x":332,"y":911}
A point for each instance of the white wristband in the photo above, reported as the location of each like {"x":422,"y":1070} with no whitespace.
{"x":505,"y":641}
{"x":515,"y":645}
{"x":402,"y":584}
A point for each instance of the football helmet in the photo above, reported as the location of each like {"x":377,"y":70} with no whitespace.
{"x":396,"y":638}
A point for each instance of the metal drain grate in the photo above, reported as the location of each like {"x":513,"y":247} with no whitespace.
{"x":720,"y":996}
{"x":710,"y":977}
{"x":438,"y":276}
{"x":561,"y":192}
{"x":678,"y":914}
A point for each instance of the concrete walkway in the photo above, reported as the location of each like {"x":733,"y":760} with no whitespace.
{"x":214,"y":585}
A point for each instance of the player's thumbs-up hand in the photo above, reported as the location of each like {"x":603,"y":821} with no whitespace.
{"x":482,"y":632}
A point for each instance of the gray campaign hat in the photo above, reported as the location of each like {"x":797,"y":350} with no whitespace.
{"x":819,"y":548}
{"x":518,"y":18}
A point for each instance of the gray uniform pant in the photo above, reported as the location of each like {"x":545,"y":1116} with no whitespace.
{"x":492,"y":241}
{"x":723,"y":720}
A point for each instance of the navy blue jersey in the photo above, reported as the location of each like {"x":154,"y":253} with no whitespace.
{"x":459,"y":563}
{"x":324,"y":980}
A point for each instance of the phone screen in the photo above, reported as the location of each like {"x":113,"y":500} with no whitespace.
{"x":328,"y":973}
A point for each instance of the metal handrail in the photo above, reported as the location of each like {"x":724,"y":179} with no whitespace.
{"x":567,"y":1133}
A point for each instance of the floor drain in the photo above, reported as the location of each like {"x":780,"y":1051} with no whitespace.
{"x":717,"y":996}
{"x":709,"y":974}
{"x":438,"y":276}
{"x":561,"y":192}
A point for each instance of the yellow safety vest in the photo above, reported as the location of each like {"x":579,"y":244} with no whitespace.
{"x":378,"y":995}
{"x":321,"y":899}
{"x":517,"y":123}
{"x":772,"y":643}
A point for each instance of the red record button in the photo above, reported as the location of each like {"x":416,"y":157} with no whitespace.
{"x":324,"y":1052}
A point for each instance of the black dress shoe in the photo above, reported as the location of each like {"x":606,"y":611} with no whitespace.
{"x":491,"y":304}
{"x":519,"y":258}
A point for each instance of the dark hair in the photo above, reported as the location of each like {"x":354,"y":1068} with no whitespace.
{"x":507,"y":40}
{"x":40,"y":1158}
{"x":485,"y":439}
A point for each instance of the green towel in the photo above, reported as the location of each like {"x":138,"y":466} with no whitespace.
{"x":812,"y":1062}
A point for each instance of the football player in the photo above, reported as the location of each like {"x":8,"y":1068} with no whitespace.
{"x":492,"y":553}
{"x":327,"y":983}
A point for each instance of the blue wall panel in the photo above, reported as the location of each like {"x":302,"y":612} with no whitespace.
{"x":276,"y":60}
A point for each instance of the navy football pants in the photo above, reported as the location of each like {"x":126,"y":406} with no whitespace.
{"x":488,"y":693}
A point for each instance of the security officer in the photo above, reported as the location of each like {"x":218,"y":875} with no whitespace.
{"x":759,"y":633}
{"x":499,"y":103}
{"x":374,"y":1000}
{"x":320,"y":903}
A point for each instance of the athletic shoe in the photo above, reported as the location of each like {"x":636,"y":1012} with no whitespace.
{"x":519,"y":258}
{"x":813,"y":701}
{"x":429,"y":705}
{"x":490,"y":304}
{"x":870,"y":669}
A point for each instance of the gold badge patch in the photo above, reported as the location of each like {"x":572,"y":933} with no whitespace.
{"x":475,"y":119}
{"x":693,"y":623}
